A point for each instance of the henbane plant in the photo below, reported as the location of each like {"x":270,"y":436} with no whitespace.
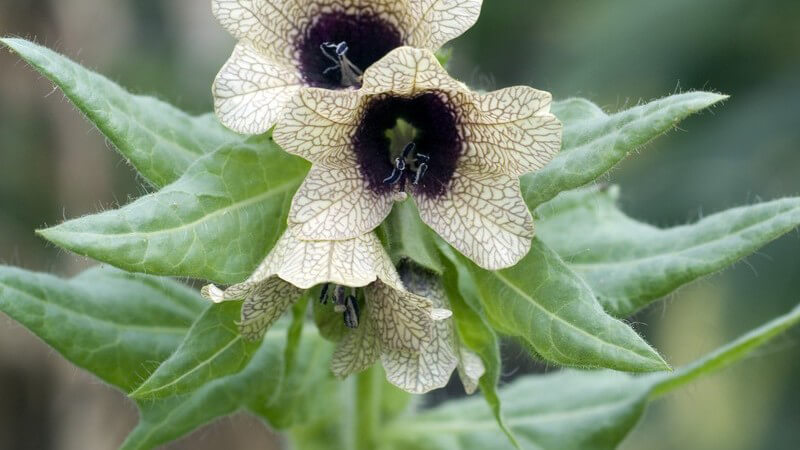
{"x":377,"y":227}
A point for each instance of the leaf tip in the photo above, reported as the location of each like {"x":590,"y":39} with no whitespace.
{"x":141,"y":393}
{"x":712,"y":98}
{"x":660,"y":364}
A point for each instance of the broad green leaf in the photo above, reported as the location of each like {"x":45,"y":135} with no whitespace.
{"x":118,"y":326}
{"x":213,"y":348}
{"x":409,"y":237}
{"x":591,"y":410}
{"x":594,"y":142}
{"x":544,"y":303}
{"x":630,"y":264}
{"x":216,"y":222}
{"x":159,"y":140}
{"x":283,"y":394}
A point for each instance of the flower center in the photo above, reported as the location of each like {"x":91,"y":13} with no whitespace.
{"x":349,"y":73}
{"x":408,"y":142}
{"x":344,"y":303}
{"x":337,"y":47}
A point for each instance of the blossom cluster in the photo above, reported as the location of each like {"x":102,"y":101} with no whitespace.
{"x":355,"y":88}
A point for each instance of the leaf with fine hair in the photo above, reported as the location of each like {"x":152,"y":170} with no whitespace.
{"x":544,"y":303}
{"x":566,"y":410}
{"x":593,"y":142}
{"x":217,"y":222}
{"x":630,"y":264}
{"x":114,"y":324}
{"x":267,"y":385}
{"x":159,"y":140}
{"x":213,"y":348}
{"x":119,"y":326}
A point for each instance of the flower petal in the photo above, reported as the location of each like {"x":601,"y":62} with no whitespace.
{"x":470,"y":369}
{"x":483,"y":217}
{"x":402,"y":319}
{"x":439,"y":21}
{"x":431,"y":367}
{"x":334,"y":204}
{"x":352,"y":262}
{"x":510,"y":131}
{"x":406,"y":71}
{"x":266,"y":302}
{"x":270,"y":25}
{"x":250,"y":92}
{"x":357,"y":351}
{"x":428,"y":369}
{"x":319,"y":125}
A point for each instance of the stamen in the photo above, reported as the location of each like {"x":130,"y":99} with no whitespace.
{"x":351,"y":74}
{"x":351,"y":313}
{"x":397,"y":172}
{"x":323,"y":297}
{"x":339,"y":297}
{"x":421,"y":160}
{"x":420,"y":172}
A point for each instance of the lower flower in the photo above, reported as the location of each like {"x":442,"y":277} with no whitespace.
{"x":384,"y":319}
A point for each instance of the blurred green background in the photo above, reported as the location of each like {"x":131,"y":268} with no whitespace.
{"x":617,"y":53}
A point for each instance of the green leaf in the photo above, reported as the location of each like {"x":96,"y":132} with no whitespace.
{"x":217,"y":222}
{"x":118,"y":326}
{"x":474,"y":332}
{"x":630,"y":264}
{"x":594,"y":142}
{"x":566,"y":410}
{"x":159,"y":140}
{"x":264,"y":386}
{"x":212,"y":349}
{"x":544,"y":303}
{"x":410,"y":238}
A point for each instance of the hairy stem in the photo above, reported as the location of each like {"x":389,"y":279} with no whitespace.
{"x":368,"y":408}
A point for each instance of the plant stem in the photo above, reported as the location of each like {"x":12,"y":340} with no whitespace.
{"x":368,"y":408}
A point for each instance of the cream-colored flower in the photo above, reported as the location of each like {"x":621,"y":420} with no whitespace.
{"x":431,"y":367}
{"x":383,"y":317}
{"x":403,"y":319}
{"x":457,"y":152}
{"x":286,"y":44}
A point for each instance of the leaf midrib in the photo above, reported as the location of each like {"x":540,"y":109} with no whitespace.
{"x":667,"y":254}
{"x":568,"y":324}
{"x":82,"y":314}
{"x":232,"y":207}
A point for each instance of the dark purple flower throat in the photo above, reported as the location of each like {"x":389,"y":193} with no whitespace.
{"x":337,"y":47}
{"x":424,"y":160}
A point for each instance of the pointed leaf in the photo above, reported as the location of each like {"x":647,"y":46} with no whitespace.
{"x":566,"y":410}
{"x":630,"y":264}
{"x":266,"y":385}
{"x":116,"y":325}
{"x":213,"y":348}
{"x":594,"y":142}
{"x":217,"y":222}
{"x":544,"y":303}
{"x":159,"y":140}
